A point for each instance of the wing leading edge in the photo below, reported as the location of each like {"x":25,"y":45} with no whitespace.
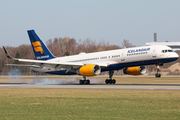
{"x":47,"y":63}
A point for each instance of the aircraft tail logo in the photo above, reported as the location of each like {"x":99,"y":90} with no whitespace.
{"x":38,"y":47}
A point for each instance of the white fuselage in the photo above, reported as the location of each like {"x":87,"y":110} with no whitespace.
{"x":117,"y":59}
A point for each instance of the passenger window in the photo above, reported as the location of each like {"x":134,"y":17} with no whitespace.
{"x":165,"y":51}
{"x":162,"y":51}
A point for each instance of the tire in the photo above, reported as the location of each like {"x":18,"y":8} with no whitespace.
{"x":156,"y":75}
{"x":159,"y":75}
{"x":81,"y":82}
{"x":114,"y":81}
{"x":110,"y":81}
{"x":106,"y":81}
{"x":88,"y":82}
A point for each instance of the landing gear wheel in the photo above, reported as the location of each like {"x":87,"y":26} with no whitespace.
{"x":106,"y":81}
{"x":113,"y":81}
{"x":110,"y":81}
{"x":88,"y":82}
{"x":81,"y":82}
{"x":84,"y":82}
{"x":157,"y":75}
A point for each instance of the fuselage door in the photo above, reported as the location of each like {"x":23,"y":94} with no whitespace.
{"x":122,"y":57}
{"x":154,"y":53}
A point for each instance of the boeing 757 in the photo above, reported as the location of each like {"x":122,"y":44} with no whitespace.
{"x":131,"y":60}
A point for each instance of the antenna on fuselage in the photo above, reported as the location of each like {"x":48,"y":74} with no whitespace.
{"x":155,"y":37}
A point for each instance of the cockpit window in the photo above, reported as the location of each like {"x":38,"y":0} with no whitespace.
{"x":170,"y":51}
{"x":165,"y":51}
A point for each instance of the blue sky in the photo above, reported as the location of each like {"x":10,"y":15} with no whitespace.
{"x":108,"y":20}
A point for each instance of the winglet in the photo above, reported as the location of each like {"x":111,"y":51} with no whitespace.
{"x":7,"y":54}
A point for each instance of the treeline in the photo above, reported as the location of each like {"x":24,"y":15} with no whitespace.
{"x":59,"y":46}
{"x":25,"y":52}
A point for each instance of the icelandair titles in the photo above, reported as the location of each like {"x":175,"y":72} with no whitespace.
{"x":138,"y":50}
{"x":42,"y":57}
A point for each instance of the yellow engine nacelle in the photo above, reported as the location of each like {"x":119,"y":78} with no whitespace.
{"x":138,"y":70}
{"x":89,"y":70}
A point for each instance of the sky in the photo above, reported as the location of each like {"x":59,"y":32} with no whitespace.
{"x":98,"y":20}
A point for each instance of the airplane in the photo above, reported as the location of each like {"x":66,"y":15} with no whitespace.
{"x":131,"y":60}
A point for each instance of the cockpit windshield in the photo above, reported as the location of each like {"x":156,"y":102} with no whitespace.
{"x":165,"y":51}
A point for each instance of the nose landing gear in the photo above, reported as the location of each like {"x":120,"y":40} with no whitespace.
{"x":157,"y":75}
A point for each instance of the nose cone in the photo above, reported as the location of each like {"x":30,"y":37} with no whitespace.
{"x":175,"y":56}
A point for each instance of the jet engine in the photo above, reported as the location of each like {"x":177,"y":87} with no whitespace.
{"x":89,"y":70}
{"x":138,"y":70}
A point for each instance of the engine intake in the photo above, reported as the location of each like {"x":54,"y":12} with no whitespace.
{"x":138,"y":70}
{"x":89,"y":70}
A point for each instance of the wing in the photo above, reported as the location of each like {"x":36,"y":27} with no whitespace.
{"x":49,"y":63}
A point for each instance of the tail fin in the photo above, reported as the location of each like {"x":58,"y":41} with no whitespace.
{"x":41,"y":52}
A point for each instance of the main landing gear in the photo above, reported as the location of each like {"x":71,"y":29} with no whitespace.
{"x":110,"y":80}
{"x":85,"y":81}
{"x":107,"y":81}
{"x":157,"y":75}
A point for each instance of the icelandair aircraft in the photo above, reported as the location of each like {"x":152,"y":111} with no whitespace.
{"x":131,"y":60}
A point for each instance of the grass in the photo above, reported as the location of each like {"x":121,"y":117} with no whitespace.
{"x":90,"y":103}
{"x":68,"y":104}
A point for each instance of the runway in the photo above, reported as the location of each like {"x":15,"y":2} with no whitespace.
{"x":94,"y":86}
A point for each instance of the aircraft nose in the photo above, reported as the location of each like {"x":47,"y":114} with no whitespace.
{"x":176,"y":55}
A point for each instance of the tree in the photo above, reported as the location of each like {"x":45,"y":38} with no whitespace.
{"x":66,"y":53}
{"x":127,"y":44}
{"x":17,"y":56}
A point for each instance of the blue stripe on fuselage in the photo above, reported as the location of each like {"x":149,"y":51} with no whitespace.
{"x":121,"y":66}
{"x":137,"y":63}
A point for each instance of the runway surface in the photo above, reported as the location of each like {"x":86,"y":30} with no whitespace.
{"x":94,"y":86}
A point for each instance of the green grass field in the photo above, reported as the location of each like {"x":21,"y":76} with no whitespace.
{"x":83,"y":104}
{"x":89,"y":104}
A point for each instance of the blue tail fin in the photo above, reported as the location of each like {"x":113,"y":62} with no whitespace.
{"x":41,"y":52}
